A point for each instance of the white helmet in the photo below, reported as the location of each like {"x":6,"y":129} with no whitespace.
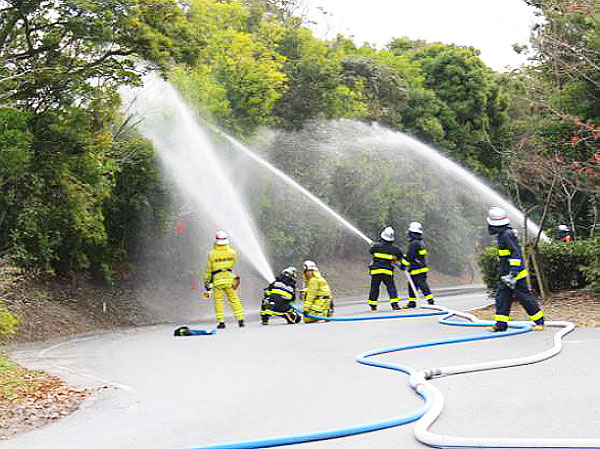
{"x":415,"y":227}
{"x":563,"y":228}
{"x":310,"y":265}
{"x":497,"y":217}
{"x":221,"y":238}
{"x":290,"y":272}
{"x":388,"y":234}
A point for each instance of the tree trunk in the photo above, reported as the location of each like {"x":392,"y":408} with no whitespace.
{"x":541,"y":278}
{"x":594,"y":201}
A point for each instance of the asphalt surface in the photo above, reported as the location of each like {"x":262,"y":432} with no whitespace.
{"x":261,"y":381}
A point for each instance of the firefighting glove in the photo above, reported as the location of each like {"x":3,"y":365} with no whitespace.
{"x":508,"y":280}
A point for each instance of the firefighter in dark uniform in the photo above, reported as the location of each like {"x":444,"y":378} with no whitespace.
{"x":513,"y":274}
{"x":416,"y":264}
{"x":381,"y":269}
{"x":278,"y":297}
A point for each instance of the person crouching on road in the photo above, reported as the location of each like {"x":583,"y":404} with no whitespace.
{"x":416,"y":264}
{"x":317,"y":300}
{"x":381,"y":269}
{"x":278,"y":297}
{"x":220,"y":278}
{"x":513,"y":274}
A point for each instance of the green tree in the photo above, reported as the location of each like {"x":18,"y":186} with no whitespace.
{"x":16,"y":155}
{"x":57,"y":54}
{"x":557,"y":152}
{"x":238,"y":75}
{"x":473,"y":112}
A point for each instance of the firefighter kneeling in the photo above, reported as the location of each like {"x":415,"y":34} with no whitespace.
{"x":317,"y":299}
{"x":278,"y":297}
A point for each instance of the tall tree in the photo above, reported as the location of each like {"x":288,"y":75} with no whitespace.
{"x":559,"y":149}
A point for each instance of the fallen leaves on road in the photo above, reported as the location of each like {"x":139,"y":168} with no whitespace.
{"x":30,"y":399}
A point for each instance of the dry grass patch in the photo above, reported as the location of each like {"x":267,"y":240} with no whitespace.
{"x":582,"y":307}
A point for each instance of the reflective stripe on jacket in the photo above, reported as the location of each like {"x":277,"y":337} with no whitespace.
{"x":416,"y":257}
{"x":384,"y":256}
{"x":280,"y":290}
{"x":219,"y":266}
{"x":318,"y":295}
{"x":509,"y":253}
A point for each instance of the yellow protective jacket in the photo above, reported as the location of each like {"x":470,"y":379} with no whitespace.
{"x":318,"y":295}
{"x":219,"y":266}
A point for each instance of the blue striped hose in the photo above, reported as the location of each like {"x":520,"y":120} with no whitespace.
{"x":364,"y":358}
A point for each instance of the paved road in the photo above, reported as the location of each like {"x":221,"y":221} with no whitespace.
{"x":261,"y":381}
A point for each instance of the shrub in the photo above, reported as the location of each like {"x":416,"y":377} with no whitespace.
{"x":490,"y":269}
{"x":573,"y":265}
{"x":592,"y":266}
{"x":8,"y":322}
{"x":563,"y":264}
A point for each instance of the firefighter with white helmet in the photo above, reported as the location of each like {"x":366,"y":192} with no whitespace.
{"x":415,"y":263}
{"x":385,"y":254}
{"x":220,"y":278}
{"x":278,"y":297}
{"x":317,"y":300}
{"x":563,"y":233}
{"x":513,"y":273}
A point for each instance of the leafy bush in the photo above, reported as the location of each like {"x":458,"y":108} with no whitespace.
{"x":490,"y":269}
{"x":8,"y":322}
{"x":563,"y":264}
{"x":592,"y":267}
{"x":572,"y":265}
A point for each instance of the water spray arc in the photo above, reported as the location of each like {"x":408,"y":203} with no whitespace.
{"x":456,"y":171}
{"x":301,"y":189}
{"x":176,"y":155}
{"x":189,"y":157}
{"x":291,"y":182}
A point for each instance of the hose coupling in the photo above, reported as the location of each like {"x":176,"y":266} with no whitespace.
{"x":432,"y":372}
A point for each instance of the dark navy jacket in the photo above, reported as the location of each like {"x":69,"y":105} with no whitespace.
{"x":283,"y":288}
{"x":509,"y":253}
{"x":384,"y":255}
{"x":416,"y":262}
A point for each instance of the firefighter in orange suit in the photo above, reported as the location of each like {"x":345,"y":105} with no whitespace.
{"x":220,"y":278}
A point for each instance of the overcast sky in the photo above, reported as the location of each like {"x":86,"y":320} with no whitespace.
{"x":492,"y":26}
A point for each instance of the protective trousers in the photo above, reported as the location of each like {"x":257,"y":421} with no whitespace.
{"x":388,"y":281}
{"x":320,"y":306}
{"x":234,"y":302}
{"x":420,"y":281}
{"x":278,"y":307}
{"x":504,"y":296}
